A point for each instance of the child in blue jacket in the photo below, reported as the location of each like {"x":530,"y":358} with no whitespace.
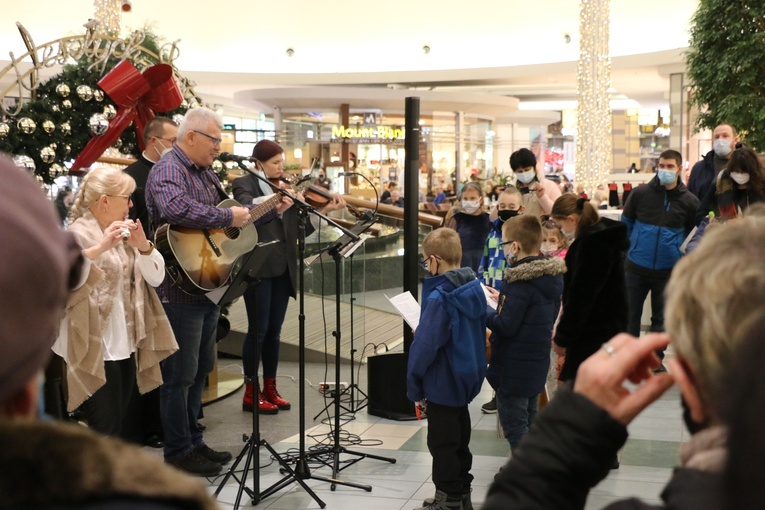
{"x":447,"y":364}
{"x":528,"y":305}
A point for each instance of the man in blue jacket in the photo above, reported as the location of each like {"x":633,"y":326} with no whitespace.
{"x":659,"y":216}
{"x":447,"y":364}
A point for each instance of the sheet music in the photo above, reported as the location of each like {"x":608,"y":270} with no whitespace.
{"x":407,"y":307}
{"x":489,"y":300}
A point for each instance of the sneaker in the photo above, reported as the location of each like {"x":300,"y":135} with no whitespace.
{"x":442,"y":501}
{"x":490,"y":407}
{"x":208,"y":453}
{"x":195,"y":464}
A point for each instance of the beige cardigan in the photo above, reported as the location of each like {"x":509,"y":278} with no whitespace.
{"x":88,"y":310}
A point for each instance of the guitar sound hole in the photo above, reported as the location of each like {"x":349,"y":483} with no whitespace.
{"x":231,"y":232}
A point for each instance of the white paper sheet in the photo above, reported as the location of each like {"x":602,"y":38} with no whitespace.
{"x":489,"y":300}
{"x":407,"y":307}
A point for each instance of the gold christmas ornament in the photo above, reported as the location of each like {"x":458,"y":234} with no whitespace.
{"x":66,"y":128}
{"x":55,"y":108}
{"x":67,"y":149}
{"x":26,"y":125}
{"x":5,"y":128}
{"x":98,"y":95}
{"x":110,"y":112}
{"x":48,"y":155}
{"x":48,"y":126}
{"x":63,"y":90}
{"x":66,"y":104}
{"x":98,"y":124}
{"x":84,"y":92}
{"x":57,"y":170}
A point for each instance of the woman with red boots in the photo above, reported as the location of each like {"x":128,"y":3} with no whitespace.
{"x":266,"y":303}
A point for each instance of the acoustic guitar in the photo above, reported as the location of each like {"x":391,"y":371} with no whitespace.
{"x":201,"y":260}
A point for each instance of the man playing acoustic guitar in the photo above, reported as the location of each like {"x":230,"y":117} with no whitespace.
{"x":183,"y":190}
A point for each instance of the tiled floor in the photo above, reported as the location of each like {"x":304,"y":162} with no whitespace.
{"x":646,"y":460}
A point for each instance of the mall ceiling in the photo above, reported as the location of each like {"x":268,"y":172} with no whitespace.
{"x":520,"y":49}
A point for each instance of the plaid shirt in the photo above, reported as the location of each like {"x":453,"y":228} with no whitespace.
{"x":179,"y":192}
{"x":491,"y":269}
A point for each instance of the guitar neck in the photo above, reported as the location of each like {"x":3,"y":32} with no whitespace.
{"x":263,"y":208}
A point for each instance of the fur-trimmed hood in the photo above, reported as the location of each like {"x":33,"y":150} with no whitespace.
{"x":534,"y":268}
{"x":51,"y":464}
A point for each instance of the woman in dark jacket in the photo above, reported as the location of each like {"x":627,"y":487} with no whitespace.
{"x":594,"y":290}
{"x":737,"y":187}
{"x":266,"y":302}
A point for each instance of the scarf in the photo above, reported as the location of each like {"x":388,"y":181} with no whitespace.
{"x":706,"y":451}
{"x":89,"y":308}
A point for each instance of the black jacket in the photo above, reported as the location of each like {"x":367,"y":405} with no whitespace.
{"x":139,"y":171}
{"x":569,"y":450}
{"x":703,"y":175}
{"x":283,"y":256}
{"x":594,"y":292}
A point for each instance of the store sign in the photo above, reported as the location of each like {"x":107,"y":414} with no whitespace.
{"x":370,"y":118}
{"x":378,"y":134}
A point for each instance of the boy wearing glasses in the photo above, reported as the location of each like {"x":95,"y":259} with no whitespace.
{"x":447,"y":363}
{"x":522,"y":324}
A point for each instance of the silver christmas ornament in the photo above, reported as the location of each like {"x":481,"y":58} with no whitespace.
{"x":118,"y":143}
{"x":48,"y":126}
{"x":217,"y":166}
{"x":110,"y":112}
{"x":66,"y":128}
{"x":98,"y":95}
{"x":98,"y":124}
{"x":85,"y":92}
{"x":48,"y":155}
{"x":178,"y":118}
{"x":24,"y":162}
{"x":62,"y":89}
{"x":26,"y":125}
{"x":5,"y":128}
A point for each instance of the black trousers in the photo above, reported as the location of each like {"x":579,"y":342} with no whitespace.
{"x":106,"y":410}
{"x":448,"y":442}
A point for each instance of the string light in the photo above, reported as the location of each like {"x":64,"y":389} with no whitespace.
{"x":593,"y":143}
{"x":108,"y":15}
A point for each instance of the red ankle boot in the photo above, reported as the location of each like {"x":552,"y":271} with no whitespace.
{"x":264,"y":406}
{"x":272,"y":395}
{"x":247,"y":399}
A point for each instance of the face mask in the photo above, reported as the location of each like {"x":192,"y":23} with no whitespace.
{"x":569,"y":235}
{"x":548,"y":248}
{"x":162,"y":152}
{"x":471,"y":206}
{"x":506,"y":214}
{"x":509,"y":255}
{"x":740,"y":177}
{"x":667,"y":177}
{"x":721,"y":146}
{"x":526,"y":177}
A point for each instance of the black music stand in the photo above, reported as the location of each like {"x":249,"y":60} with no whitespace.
{"x":246,"y":277}
{"x":344,"y":247}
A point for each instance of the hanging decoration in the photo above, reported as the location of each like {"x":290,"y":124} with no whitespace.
{"x":71,"y":112}
{"x":593,"y":142}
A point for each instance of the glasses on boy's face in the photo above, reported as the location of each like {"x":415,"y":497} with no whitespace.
{"x":424,"y":260}
{"x":504,"y":243}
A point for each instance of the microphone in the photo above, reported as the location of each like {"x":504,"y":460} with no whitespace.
{"x":303,"y":179}
{"x":225,"y":157}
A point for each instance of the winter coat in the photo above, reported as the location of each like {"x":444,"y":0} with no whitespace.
{"x":56,"y":465}
{"x":569,"y":449}
{"x":703,"y":175}
{"x":658,"y":221}
{"x":594,"y":292}
{"x":447,"y":359}
{"x":522,"y":326}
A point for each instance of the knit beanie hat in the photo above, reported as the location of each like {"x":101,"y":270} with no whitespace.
{"x":265,"y":150}
{"x":37,"y":262}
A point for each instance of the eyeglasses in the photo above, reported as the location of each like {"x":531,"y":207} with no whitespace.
{"x":215,"y":141}
{"x":424,"y":261}
{"x":172,"y":140}
{"x":129,"y":198}
{"x":504,"y":243}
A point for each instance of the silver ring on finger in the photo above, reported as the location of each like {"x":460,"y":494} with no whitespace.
{"x":610,"y":349}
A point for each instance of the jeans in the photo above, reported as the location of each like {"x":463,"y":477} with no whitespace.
{"x":448,"y":443}
{"x":266,"y":305}
{"x":184,"y":374}
{"x":516,"y":415}
{"x":638,"y":287}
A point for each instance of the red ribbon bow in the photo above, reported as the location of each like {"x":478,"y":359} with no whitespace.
{"x":137,"y":97}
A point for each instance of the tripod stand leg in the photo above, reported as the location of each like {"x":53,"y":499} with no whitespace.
{"x":292,"y":477}
{"x":248,"y":452}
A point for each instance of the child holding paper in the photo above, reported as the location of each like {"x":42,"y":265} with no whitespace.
{"x":522,"y":325}
{"x":447,"y":363}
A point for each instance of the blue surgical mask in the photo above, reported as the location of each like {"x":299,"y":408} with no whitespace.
{"x":722,"y":147}
{"x":667,"y":177}
{"x":526,"y":177}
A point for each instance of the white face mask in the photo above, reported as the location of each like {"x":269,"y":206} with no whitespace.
{"x":740,"y":177}
{"x":526,"y":177}
{"x":509,"y":255}
{"x":162,"y":152}
{"x":470,"y":206}
{"x":722,"y":147}
{"x":548,"y":248}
